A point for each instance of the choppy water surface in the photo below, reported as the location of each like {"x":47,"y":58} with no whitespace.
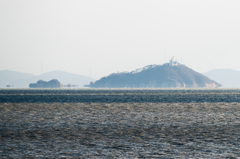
{"x":119,"y":123}
{"x":119,"y":96}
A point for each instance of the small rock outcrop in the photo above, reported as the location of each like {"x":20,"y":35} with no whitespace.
{"x":43,"y":84}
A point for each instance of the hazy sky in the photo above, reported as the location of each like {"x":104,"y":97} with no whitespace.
{"x":107,"y":36}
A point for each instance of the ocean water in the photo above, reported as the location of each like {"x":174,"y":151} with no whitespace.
{"x":119,"y":95}
{"x":119,"y":123}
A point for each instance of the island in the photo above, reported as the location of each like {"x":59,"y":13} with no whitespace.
{"x":168,"y":75}
{"x":54,"y":83}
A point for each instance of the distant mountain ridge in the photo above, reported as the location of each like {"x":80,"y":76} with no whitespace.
{"x":229,"y":78}
{"x":169,"y":75}
{"x":7,"y":76}
{"x":22,"y":80}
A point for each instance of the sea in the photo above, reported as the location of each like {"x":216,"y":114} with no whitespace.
{"x":120,"y":123}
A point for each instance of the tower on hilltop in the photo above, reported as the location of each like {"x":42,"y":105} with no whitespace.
{"x":173,"y":62}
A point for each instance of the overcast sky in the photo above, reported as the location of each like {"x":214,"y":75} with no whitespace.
{"x":106,"y":36}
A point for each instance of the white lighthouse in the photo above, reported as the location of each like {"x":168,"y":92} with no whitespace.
{"x":173,"y":62}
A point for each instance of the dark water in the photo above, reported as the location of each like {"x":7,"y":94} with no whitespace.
{"x":119,"y":96}
{"x":114,"y":123}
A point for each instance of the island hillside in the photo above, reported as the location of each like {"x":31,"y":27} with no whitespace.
{"x":169,"y":75}
{"x":43,"y":84}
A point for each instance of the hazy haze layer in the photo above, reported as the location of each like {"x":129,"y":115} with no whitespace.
{"x":96,"y":38}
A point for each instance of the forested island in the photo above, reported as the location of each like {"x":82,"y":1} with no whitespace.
{"x":54,"y":83}
{"x":169,"y":75}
